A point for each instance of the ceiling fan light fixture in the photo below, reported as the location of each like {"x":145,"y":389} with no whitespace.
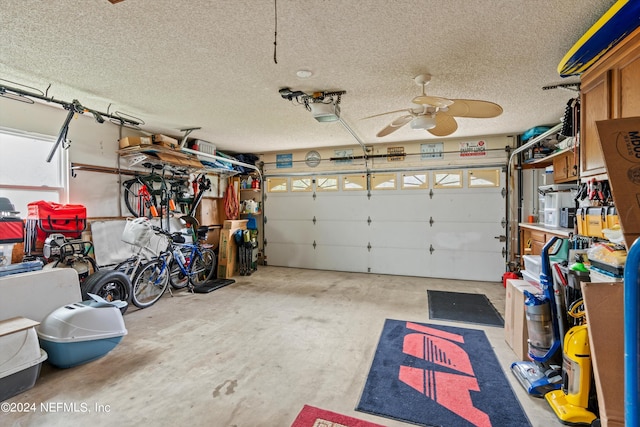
{"x":325,"y":112}
{"x":423,"y":122}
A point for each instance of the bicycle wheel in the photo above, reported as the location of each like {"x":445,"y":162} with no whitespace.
{"x":109,"y":284}
{"x":202,"y":267}
{"x":138,"y":200}
{"x":177,"y":279}
{"x":149,"y":283}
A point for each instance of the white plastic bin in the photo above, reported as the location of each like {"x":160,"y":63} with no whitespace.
{"x":20,"y":356}
{"x":6,"y":250}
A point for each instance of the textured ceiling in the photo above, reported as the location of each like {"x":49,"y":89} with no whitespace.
{"x":210,"y":63}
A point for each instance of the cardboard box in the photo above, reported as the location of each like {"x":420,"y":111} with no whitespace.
{"x":605,"y":319}
{"x":515,"y":318}
{"x":207,"y":212}
{"x":235,"y":224}
{"x":134,"y":141}
{"x":165,"y":141}
{"x":620,"y":140}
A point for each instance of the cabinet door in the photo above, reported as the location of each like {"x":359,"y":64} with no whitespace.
{"x":595,"y":105}
{"x":627,"y":93}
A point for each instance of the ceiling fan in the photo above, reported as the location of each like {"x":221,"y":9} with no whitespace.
{"x":435,"y":114}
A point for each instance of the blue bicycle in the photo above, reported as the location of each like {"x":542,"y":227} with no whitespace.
{"x":180,"y":264}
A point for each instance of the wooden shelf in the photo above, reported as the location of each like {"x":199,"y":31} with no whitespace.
{"x":157,"y":154}
{"x":545,"y":161}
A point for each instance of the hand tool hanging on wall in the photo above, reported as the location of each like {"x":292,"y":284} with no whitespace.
{"x":73,"y":107}
{"x":203,"y":183}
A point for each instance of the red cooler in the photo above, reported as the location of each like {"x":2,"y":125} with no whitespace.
{"x":45,"y":218}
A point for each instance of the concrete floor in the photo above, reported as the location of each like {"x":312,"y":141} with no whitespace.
{"x":250,"y":354}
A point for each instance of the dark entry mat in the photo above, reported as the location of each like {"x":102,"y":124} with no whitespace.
{"x":212,"y":285}
{"x":463,"y":307}
{"x":436,"y":375}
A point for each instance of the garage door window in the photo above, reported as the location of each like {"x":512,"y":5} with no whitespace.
{"x":447,"y":179}
{"x":415,"y":181}
{"x":277,"y":185}
{"x":302,"y":184}
{"x":327,"y":183}
{"x":383,"y":181}
{"x":354,"y":182}
{"x":484,"y":178}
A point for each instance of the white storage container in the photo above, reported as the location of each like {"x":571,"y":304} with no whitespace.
{"x":20,"y":356}
{"x":529,"y":277}
{"x":564,"y":199}
{"x":204,"y":147}
{"x":81,"y":332}
{"x":533,"y":264}
{"x":6,"y":250}
{"x":552,"y":217}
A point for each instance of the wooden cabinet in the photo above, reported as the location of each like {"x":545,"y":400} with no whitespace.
{"x":609,"y":90}
{"x":564,"y":165}
{"x":533,"y":237}
{"x":564,"y":168}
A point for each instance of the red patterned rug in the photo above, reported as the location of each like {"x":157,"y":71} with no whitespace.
{"x":311,"y":416}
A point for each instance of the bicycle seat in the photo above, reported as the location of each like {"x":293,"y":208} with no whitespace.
{"x":178,"y":238}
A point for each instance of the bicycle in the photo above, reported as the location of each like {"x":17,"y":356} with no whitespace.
{"x":191,"y":268}
{"x":155,"y":195}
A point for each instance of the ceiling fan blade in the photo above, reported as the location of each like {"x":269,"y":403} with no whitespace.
{"x":388,"y":112}
{"x":473,"y":108}
{"x":432,"y":100}
{"x":395,"y":125}
{"x":445,"y":125}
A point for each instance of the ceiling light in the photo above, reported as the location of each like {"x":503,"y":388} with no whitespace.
{"x":304,"y":74}
{"x":423,"y":122}
{"x":325,"y":112}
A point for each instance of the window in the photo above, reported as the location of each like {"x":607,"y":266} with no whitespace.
{"x":354,"y":182}
{"x":383,"y":181}
{"x":415,"y":181}
{"x":277,"y":185}
{"x":484,"y":178}
{"x":327,"y":183}
{"x":302,"y":184}
{"x":25,"y":174}
{"x":447,"y":179}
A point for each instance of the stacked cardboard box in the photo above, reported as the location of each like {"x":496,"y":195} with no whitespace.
{"x":228,"y":250}
{"x":603,"y":304}
{"x":515,"y":317}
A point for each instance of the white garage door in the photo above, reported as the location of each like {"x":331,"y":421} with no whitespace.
{"x":443,"y":224}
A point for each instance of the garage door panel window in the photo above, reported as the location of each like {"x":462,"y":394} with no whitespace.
{"x":354,"y":182}
{"x":415,"y":181}
{"x":277,"y":185}
{"x":327,"y":183}
{"x":383,"y":181}
{"x":484,"y":178}
{"x":302,"y":184}
{"x":447,"y":179}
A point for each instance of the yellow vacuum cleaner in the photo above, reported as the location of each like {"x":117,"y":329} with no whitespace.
{"x":571,"y":403}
